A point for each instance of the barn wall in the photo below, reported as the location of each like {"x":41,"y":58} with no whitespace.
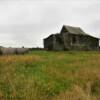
{"x":83,"y":42}
{"x":49,"y":43}
{"x":67,"y":41}
{"x":92,"y":43}
{"x":58,"y":42}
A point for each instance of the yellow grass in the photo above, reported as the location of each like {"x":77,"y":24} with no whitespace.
{"x":42,"y":75}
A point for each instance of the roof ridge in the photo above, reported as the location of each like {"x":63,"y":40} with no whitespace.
{"x":71,"y":26}
{"x":74,"y":30}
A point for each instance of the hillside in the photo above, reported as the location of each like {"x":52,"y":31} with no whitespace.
{"x":42,"y":75}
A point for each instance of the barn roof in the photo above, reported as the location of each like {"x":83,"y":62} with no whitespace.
{"x":74,"y":30}
{"x":51,"y":35}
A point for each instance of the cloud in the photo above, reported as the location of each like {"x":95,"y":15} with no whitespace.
{"x":27,"y":22}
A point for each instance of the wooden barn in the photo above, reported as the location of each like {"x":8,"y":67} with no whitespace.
{"x":71,"y":38}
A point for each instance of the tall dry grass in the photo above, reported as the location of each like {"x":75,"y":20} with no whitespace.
{"x":42,"y":75}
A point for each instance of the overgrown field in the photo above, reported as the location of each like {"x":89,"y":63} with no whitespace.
{"x":42,"y":75}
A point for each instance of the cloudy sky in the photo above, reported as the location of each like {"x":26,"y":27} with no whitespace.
{"x":27,"y":22}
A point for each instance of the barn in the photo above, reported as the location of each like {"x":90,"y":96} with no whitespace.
{"x":71,"y":38}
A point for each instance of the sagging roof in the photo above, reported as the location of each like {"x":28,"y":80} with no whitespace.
{"x":74,"y":30}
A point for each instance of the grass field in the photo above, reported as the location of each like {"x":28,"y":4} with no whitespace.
{"x":42,"y":75}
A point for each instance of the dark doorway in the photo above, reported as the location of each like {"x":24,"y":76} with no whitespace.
{"x":74,"y":39}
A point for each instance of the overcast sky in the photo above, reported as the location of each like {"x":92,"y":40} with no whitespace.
{"x":27,"y":22}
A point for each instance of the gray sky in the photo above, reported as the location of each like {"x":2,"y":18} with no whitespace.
{"x":27,"y":22}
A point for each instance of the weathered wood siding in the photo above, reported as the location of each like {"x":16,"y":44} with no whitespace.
{"x":71,"y":38}
{"x":49,"y":43}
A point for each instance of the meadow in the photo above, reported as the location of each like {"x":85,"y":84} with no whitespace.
{"x":45,"y":75}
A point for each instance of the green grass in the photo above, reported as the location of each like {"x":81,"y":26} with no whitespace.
{"x":43,"y":75}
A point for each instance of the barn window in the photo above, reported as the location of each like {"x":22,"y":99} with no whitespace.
{"x":73,"y":39}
